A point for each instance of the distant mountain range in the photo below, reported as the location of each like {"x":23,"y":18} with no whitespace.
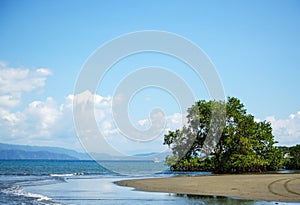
{"x":19,"y":152}
{"x":9,"y":151}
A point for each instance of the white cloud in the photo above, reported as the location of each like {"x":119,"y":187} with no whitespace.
{"x":176,"y":121}
{"x":286,"y":131}
{"x":43,"y":72}
{"x":121,"y":140}
{"x":10,"y":119}
{"x":44,"y":115}
{"x":173,"y":122}
{"x":9,"y":100}
{"x":39,"y":123}
{"x":100,"y":106}
{"x":15,"y":81}
{"x":257,"y":120}
{"x":51,"y":123}
{"x":144,"y":122}
{"x":3,"y":64}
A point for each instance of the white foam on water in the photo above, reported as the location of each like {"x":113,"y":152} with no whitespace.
{"x":66,"y":175}
{"x":19,"y":191}
{"x":61,"y":175}
{"x":39,"y":197}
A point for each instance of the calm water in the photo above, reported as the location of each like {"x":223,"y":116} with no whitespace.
{"x":86,"y":182}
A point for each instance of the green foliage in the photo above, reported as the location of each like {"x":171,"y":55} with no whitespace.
{"x":235,"y":142}
{"x":171,"y":160}
{"x":294,"y":161}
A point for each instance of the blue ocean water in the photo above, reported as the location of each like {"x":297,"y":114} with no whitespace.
{"x":87,"y":182}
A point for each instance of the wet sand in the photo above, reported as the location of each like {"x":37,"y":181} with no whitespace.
{"x":268,"y":187}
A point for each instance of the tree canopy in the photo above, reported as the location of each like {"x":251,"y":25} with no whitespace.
{"x":222,"y":137}
{"x":293,"y":161}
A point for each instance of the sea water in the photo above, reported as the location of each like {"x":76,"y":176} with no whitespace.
{"x":87,"y":182}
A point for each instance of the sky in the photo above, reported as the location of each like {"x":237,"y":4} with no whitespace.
{"x":253,"y":45}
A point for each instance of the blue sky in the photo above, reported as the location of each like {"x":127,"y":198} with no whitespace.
{"x":254,"y":46}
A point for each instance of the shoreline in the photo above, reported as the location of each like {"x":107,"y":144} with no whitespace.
{"x":265,"y":187}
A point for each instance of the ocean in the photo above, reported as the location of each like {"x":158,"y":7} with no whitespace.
{"x":88,"y":182}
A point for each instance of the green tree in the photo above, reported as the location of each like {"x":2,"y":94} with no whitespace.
{"x":213,"y":141}
{"x":294,"y":161}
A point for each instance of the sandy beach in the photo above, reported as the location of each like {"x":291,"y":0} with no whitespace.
{"x":268,"y":187}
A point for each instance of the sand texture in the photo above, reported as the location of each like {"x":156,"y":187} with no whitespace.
{"x":269,"y":187}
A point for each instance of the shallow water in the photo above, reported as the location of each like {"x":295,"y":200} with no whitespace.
{"x":104,"y":191}
{"x":73,"y":182}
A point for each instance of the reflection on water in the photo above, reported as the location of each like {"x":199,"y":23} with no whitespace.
{"x":104,"y":191}
{"x":222,"y":200}
{"x":284,"y":171}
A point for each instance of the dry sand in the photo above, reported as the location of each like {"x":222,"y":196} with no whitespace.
{"x":269,"y":187}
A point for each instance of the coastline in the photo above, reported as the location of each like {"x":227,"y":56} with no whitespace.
{"x":266,"y":187}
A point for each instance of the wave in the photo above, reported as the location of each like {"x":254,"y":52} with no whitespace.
{"x":83,"y":174}
{"x":66,"y":175}
{"x":38,"y":197}
{"x":55,"y":174}
{"x":17,"y":193}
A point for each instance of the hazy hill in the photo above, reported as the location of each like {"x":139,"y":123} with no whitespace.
{"x":9,"y":151}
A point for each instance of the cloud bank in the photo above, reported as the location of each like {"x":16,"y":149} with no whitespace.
{"x":286,"y":131}
{"x":15,"y":81}
{"x":46,"y":122}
